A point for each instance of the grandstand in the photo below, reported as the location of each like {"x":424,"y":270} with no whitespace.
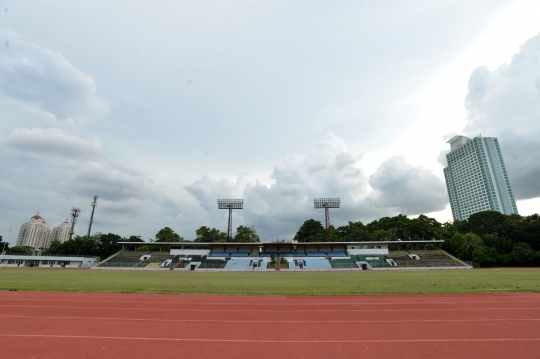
{"x":299,"y":256}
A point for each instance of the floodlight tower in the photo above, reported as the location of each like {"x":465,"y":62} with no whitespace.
{"x":230,"y":204}
{"x":326,"y":203}
{"x":74,"y":215}
{"x":94,"y":204}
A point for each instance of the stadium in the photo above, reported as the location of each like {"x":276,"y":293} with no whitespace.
{"x":310,"y":256}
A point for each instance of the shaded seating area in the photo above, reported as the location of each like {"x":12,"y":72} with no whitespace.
{"x":337,"y":254}
{"x":374,"y":260}
{"x":239,"y":254}
{"x":213,"y":264}
{"x":220,"y":254}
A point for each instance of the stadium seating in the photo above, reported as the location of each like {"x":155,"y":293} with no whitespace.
{"x":240,"y":264}
{"x":336,"y":254}
{"x":315,"y":254}
{"x":240,"y":254}
{"x":310,"y":263}
{"x":125,"y":259}
{"x":213,"y":264}
{"x":219,"y":254}
{"x":268,"y":254}
{"x":437,"y":258}
{"x":374,"y":260}
{"x":342,"y":263}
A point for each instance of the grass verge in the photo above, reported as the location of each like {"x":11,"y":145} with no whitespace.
{"x":278,"y":283}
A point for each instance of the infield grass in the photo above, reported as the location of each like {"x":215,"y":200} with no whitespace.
{"x":290,"y":283}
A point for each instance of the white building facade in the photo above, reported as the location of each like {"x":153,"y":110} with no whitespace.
{"x":61,"y":232}
{"x":35,"y":233}
{"x":476,"y":177}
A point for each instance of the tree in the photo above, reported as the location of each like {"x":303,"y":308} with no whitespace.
{"x":354,"y":232}
{"x":310,"y":231}
{"x":19,"y":250}
{"x":523,"y":255}
{"x":485,"y":222}
{"x":108,"y":244}
{"x":87,"y":246}
{"x":470,"y":243}
{"x":246,"y":235}
{"x":207,"y":235}
{"x":168,"y":235}
{"x":382,"y":235}
{"x":54,"y":248}
{"x":4,"y":246}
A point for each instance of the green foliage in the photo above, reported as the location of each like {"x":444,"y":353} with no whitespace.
{"x":246,"y":235}
{"x":4,"y":246}
{"x":168,"y":235}
{"x":207,"y":235}
{"x":354,"y":232}
{"x":283,"y":261}
{"x":19,"y":250}
{"x":310,"y":231}
{"x":108,"y":244}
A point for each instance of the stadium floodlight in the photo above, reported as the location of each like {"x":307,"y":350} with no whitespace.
{"x":326,"y":203}
{"x":74,"y":215}
{"x":94,"y":204}
{"x":230,"y":204}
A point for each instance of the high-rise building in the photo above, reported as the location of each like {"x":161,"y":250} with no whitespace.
{"x":35,"y":233}
{"x":61,"y":232}
{"x":476,"y":177}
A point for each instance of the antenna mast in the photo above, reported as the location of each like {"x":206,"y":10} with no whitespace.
{"x":94,"y":204}
{"x":326,"y":203}
{"x":230,"y":204}
{"x":74,"y":214}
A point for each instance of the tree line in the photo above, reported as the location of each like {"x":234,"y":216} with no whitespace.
{"x":488,"y":238}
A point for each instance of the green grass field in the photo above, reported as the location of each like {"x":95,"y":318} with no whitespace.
{"x":306,"y":283}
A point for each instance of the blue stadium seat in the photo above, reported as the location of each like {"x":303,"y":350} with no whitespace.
{"x":316,"y":254}
{"x":219,"y":254}
{"x":239,"y":254}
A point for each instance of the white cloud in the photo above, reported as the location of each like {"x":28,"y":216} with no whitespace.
{"x":327,"y":169}
{"x":505,"y":103}
{"x":407,"y":189}
{"x":39,"y":76}
{"x":53,"y":141}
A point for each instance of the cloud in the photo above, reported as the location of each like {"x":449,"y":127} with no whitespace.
{"x":53,"y":141}
{"x":406,"y":188}
{"x":39,"y":76}
{"x":327,"y":169}
{"x":505,"y":103}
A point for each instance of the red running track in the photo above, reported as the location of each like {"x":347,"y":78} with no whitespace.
{"x":81,"y":325}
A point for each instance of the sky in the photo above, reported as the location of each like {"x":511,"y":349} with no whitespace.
{"x":162,"y":107}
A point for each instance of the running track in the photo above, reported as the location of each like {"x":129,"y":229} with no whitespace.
{"x":80,"y":325}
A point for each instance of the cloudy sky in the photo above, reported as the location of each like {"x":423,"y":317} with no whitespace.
{"x":162,"y":107}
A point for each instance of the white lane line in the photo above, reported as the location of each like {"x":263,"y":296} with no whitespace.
{"x":279,"y":321}
{"x":270,"y":340}
{"x":263,"y":310}
{"x":270,"y":303}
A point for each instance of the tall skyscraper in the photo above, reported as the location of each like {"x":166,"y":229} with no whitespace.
{"x":476,"y":177}
{"x":61,"y":232}
{"x":35,"y":233}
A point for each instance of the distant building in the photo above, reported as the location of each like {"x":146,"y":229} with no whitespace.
{"x":476,"y":177}
{"x":35,"y":233}
{"x":61,"y":232}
